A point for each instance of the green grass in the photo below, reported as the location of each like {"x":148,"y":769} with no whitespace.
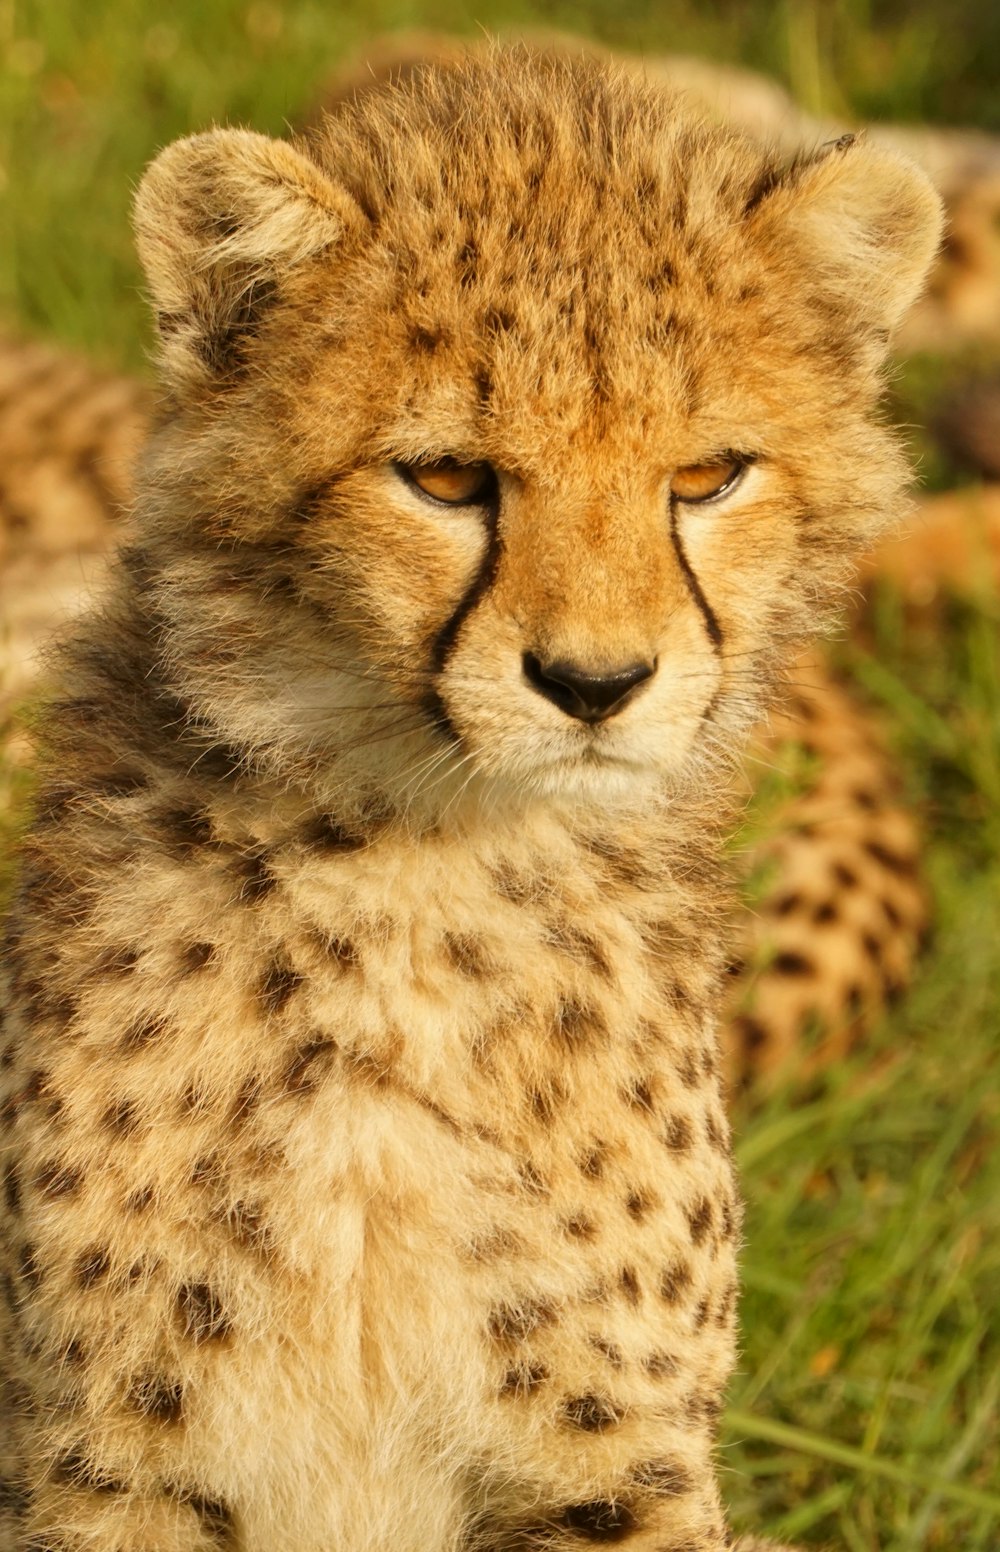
{"x":864,"y":1413}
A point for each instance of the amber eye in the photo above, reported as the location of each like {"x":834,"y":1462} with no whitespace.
{"x":456,"y":484}
{"x":702,"y":481}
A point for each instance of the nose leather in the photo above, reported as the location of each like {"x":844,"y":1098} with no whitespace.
{"x":590,"y":697}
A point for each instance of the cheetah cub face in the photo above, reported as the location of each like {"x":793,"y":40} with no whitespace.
{"x":508,"y":460}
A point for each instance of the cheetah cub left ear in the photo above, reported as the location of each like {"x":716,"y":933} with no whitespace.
{"x":218,"y":217}
{"x":866,"y":223}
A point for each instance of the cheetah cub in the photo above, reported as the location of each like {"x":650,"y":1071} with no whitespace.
{"x":367,"y":1174}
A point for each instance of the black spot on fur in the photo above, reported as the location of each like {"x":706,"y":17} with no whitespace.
{"x":628,"y":1282}
{"x":545,"y":1100}
{"x":598,"y":1521}
{"x":497,"y":320}
{"x":518,"y":888}
{"x":279,"y":983}
{"x":185,"y":831}
{"x":660,"y":1366}
{"x":254,"y":879}
{"x":142,"y":1033}
{"x":514,"y":1322}
{"x":73,"y":1355}
{"x":666,"y":1478}
{"x":196,"y":956}
{"x":54,"y":1180}
{"x":688,"y":1068}
{"x":579,"y":1226}
{"x":466,"y":953}
{"x":75,"y":1470}
{"x":118,"y":961}
{"x":215,"y":1516}
{"x":121,"y":1117}
{"x":523,"y":1379}
{"x":14,"y":1499}
{"x":202,"y":1315}
{"x":427,"y":341}
{"x":750,"y":1032}
{"x":30,"y":1267}
{"x":608,"y":1350}
{"x":33,"y":1089}
{"x":92,"y":1266}
{"x":248,"y":1097}
{"x":138,"y":1201}
{"x":532,"y":1179}
{"x":468,"y":262}
{"x":245,"y":1222}
{"x":591,"y":1162}
{"x":717,"y":1132}
{"x":342,"y":950}
{"x":727,"y":1305}
{"x":872,"y":947}
{"x":700,"y":1218}
{"x":206,"y":1170}
{"x":639,"y":1094}
{"x":592,"y":1414}
{"x":158,"y":1398}
{"x":678,"y":1134}
{"x":12,"y":1189}
{"x":639,"y":1204}
{"x":308,"y":1066}
{"x":675,"y":1280}
{"x":330,"y":834}
{"x":222,"y":762}
{"x":575,"y":1022}
{"x":792,"y":964}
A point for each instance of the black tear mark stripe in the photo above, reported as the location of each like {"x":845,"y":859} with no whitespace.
{"x":712,"y":625}
{"x":444,"y":642}
{"x":446,"y":637}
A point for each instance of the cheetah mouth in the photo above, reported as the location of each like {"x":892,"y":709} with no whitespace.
{"x":593,"y":755}
{"x":593,"y":768}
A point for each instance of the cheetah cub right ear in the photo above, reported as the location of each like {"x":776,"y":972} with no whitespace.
{"x":218,"y":217}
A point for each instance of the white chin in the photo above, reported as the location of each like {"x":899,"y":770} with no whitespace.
{"x":594,"y":780}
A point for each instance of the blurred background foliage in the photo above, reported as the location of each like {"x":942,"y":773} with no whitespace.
{"x":90,"y":90}
{"x":864,"y":1414}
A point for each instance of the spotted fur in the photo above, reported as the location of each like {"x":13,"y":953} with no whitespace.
{"x":838,"y":926}
{"x":68,"y":437}
{"x":367,"y":1169}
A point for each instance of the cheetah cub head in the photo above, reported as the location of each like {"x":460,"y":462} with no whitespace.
{"x":515,"y":425}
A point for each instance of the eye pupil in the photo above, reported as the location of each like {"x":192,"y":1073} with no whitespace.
{"x":451,"y":482}
{"x":701,"y":481}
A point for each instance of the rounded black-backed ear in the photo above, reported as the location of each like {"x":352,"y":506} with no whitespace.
{"x":868,"y":222}
{"x":218,"y":218}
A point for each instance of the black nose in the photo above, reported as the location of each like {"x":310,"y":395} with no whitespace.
{"x":591,"y":697}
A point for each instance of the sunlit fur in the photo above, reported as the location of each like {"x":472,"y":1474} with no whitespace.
{"x":367,"y":1171}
